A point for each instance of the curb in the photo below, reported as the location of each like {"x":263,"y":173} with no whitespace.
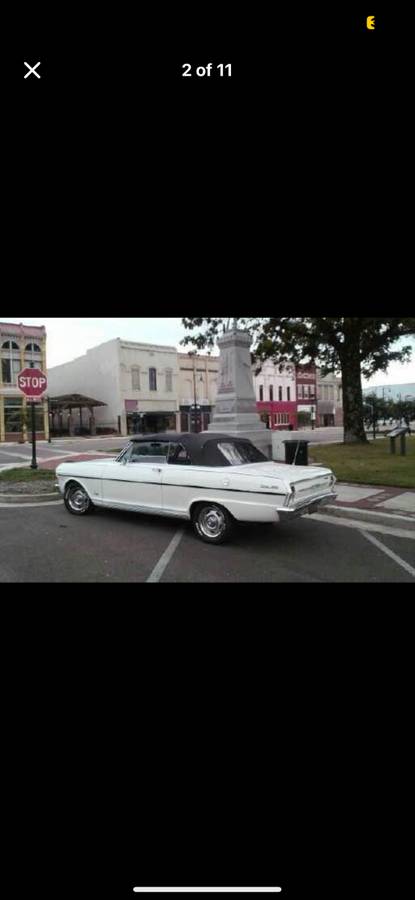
{"x":24,"y":499}
{"x":368,"y":515}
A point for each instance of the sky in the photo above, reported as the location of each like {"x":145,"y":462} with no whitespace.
{"x":69,"y":338}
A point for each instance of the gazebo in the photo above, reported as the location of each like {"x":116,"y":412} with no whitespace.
{"x":59,"y":405}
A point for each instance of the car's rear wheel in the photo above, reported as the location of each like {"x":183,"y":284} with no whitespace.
{"x":212,"y":523}
{"x":77,"y":501}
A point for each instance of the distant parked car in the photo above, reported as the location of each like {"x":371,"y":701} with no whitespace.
{"x":213,"y":480}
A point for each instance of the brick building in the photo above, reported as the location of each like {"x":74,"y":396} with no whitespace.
{"x":275,"y":395}
{"x":306,"y":380}
{"x":21,"y":346}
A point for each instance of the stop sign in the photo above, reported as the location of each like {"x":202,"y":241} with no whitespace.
{"x":32,"y":382}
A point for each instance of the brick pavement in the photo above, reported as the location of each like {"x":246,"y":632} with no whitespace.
{"x":382,"y":499}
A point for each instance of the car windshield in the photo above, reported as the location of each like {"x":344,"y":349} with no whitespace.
{"x":239,"y":453}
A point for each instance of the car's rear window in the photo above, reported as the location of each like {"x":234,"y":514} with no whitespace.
{"x":239,"y":453}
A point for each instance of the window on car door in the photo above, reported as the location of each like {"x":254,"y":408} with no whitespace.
{"x":136,"y":481}
{"x":177,"y":455}
{"x":150,"y":452}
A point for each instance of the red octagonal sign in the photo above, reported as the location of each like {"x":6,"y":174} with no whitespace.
{"x":32,"y":382}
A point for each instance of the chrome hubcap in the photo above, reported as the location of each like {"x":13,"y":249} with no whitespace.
{"x":212,"y":522}
{"x":78,"y":500}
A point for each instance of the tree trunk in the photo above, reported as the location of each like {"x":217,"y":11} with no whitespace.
{"x":354,"y":428}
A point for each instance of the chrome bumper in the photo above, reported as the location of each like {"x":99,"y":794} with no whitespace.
{"x":307,"y":507}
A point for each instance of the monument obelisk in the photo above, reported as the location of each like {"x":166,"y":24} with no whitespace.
{"x":235,"y":410}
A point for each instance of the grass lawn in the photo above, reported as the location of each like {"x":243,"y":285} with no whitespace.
{"x":370,"y":463}
{"x":15,"y":475}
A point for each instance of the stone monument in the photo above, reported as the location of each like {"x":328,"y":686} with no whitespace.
{"x":235,"y":410}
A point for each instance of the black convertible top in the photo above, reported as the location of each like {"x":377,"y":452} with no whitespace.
{"x":202,"y":448}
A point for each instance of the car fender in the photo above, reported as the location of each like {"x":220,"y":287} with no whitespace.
{"x":243,"y":509}
{"x":92,"y":488}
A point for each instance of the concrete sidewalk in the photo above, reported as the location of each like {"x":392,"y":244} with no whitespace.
{"x":371,"y":503}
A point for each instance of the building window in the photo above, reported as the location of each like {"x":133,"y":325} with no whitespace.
{"x":32,"y":356}
{"x":281,"y":419}
{"x":13,"y":409}
{"x":10,"y":362}
{"x":288,"y":394}
{"x":261,"y":394}
{"x":300,"y":391}
{"x":280,"y":394}
{"x":271,"y":393}
{"x":152,"y":375}
{"x":135,"y":379}
{"x":169,"y":380}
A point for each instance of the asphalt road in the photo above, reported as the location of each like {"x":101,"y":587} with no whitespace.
{"x":47,"y":544}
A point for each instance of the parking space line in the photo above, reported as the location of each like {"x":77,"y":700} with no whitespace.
{"x":390,"y":553}
{"x":364,"y":526}
{"x":164,"y":560}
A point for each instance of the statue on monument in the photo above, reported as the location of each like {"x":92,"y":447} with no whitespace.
{"x":236,"y":411}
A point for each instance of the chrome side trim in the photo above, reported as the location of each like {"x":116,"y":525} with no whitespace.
{"x":151,"y":510}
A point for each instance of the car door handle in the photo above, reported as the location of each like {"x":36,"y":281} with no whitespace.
{"x":156,"y":470}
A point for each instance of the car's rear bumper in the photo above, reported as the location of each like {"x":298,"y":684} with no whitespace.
{"x":306,"y":507}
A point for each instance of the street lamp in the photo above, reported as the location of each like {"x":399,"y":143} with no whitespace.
{"x":193,"y":355}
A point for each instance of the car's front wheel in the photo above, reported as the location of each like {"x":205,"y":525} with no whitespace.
{"x":77,"y":501}
{"x":212,"y":523}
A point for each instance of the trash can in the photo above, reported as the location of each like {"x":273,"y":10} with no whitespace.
{"x":296,"y":453}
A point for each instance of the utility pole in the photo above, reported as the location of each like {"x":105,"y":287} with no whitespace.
{"x":192,"y":354}
{"x":195,"y":395}
{"x":49,"y":422}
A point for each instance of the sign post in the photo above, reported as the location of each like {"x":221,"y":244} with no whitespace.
{"x":33,"y":384}
{"x":33,"y":464}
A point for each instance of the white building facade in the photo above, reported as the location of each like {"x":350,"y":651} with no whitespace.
{"x":329,"y":400}
{"x":395,"y":392}
{"x":137,"y":382}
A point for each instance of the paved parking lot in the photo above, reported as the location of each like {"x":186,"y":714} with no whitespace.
{"x":45,"y":543}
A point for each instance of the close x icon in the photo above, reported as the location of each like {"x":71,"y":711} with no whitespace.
{"x":32,"y":70}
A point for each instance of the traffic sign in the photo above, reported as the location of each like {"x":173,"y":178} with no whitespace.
{"x":32,"y":383}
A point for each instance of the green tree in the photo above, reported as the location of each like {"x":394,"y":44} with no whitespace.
{"x":374,"y":409}
{"x":354,"y":346}
{"x":404,"y":410}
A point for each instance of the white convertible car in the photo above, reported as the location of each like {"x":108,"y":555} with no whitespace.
{"x":214,"y":480}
